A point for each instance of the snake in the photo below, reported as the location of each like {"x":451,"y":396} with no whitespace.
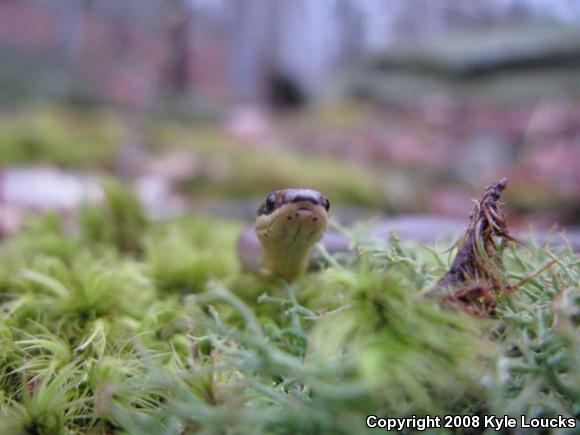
{"x":288,"y":224}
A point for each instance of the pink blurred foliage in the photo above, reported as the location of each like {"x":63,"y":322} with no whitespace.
{"x":27,"y":27}
{"x":109,"y":52}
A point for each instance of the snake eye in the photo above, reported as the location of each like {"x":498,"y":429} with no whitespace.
{"x":270,"y":202}
{"x":326,"y":203}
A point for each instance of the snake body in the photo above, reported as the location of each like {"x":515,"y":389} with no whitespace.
{"x":288,"y":224}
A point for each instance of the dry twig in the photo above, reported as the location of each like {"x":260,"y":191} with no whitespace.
{"x":477,"y":273}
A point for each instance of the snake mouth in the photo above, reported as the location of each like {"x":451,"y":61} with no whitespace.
{"x":305,"y":211}
{"x":305,"y":206}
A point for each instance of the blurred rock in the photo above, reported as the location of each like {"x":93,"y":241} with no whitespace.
{"x":420,"y":228}
{"x":44,"y":188}
{"x":41,"y":189}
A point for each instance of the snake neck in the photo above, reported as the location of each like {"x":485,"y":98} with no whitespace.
{"x":288,"y":263}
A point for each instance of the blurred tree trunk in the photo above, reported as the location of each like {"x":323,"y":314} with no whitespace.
{"x":180,"y":46}
{"x":71,"y":30}
{"x":248,"y":45}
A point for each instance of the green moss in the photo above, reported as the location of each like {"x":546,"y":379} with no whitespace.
{"x":120,"y":220}
{"x":226,"y":167}
{"x":238,"y":171}
{"x":183,"y":255}
{"x":171,"y":338}
{"x":51,"y":135}
{"x":332,"y":115}
{"x":93,"y":140}
{"x":389,"y":336}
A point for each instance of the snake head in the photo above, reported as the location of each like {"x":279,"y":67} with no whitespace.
{"x":288,"y":223}
{"x":280,"y":198}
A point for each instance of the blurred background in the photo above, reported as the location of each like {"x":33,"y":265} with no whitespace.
{"x":389,"y":106}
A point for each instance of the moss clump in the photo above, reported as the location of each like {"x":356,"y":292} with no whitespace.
{"x":119,"y":221}
{"x":183,"y":255}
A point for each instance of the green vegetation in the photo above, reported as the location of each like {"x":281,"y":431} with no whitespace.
{"x":223,"y":167}
{"x":56,"y":136}
{"x":232,"y":169}
{"x":129,"y":326}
